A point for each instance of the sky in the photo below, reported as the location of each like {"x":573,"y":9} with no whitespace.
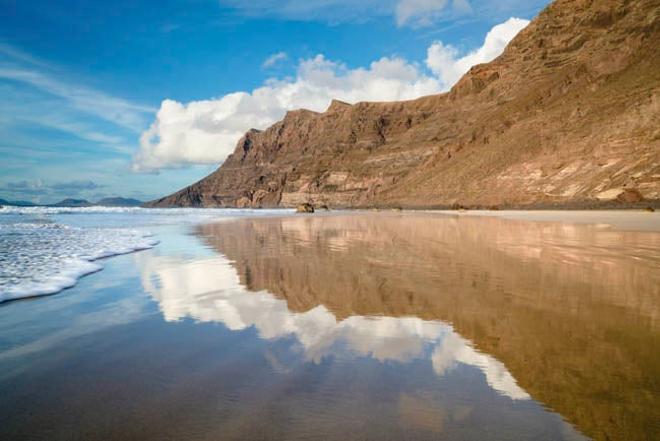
{"x":140,"y":99}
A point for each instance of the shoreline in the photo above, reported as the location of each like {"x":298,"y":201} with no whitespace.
{"x":619,"y":220}
{"x":591,"y":205}
{"x":603,"y":219}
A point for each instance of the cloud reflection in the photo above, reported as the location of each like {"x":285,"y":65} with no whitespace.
{"x":209,"y":290}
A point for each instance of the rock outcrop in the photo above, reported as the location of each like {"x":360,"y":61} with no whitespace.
{"x":569,"y":114}
{"x":305,"y":208}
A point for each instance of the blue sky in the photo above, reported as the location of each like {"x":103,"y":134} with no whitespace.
{"x":142,"y":98}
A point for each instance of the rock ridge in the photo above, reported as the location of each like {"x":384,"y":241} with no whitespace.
{"x":568,"y":115}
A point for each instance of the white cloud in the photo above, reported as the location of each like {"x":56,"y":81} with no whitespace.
{"x":444,"y":60}
{"x":205,"y":132}
{"x":274,"y":59}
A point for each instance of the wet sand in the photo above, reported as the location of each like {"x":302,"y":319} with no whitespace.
{"x":630,"y":220}
{"x":385,"y":325}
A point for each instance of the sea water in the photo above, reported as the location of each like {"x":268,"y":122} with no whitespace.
{"x":44,"y":250}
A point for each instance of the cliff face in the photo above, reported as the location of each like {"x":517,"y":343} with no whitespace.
{"x":568,"y":114}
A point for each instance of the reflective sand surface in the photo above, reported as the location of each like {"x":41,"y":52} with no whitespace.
{"x":347,"y":326}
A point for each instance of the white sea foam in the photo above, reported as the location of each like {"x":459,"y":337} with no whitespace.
{"x":59,"y":210}
{"x":39,"y":257}
{"x":195,"y":212}
{"x":44,"y":250}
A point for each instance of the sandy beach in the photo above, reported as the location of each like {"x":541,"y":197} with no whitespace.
{"x":376,"y":325}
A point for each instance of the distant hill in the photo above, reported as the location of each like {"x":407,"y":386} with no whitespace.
{"x":22,"y":203}
{"x":116,"y":201}
{"x":119,"y":202}
{"x":17,"y":203}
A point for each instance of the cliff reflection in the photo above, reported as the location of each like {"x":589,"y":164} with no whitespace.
{"x":571,"y":310}
{"x":210,"y":290}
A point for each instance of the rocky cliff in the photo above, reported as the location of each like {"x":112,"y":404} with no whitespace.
{"x":569,"y":114}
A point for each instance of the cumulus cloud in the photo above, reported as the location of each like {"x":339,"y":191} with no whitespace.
{"x":274,"y":59}
{"x":445,"y":60}
{"x":205,"y":132}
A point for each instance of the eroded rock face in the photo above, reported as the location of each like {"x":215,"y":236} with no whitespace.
{"x":305,"y":208}
{"x":569,"y":112}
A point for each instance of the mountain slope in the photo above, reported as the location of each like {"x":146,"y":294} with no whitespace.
{"x":569,"y":114}
{"x":16,"y":203}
